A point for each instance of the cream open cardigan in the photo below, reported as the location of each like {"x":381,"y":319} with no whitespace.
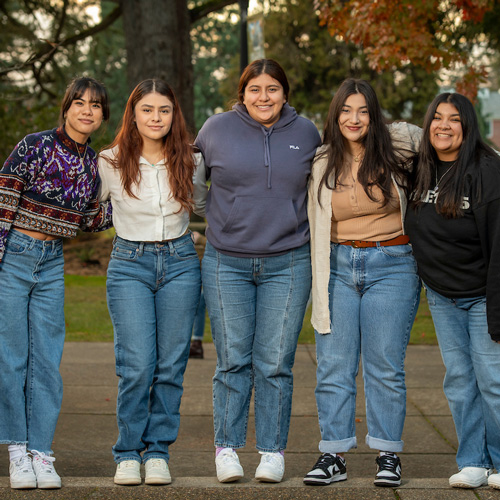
{"x":406,"y":138}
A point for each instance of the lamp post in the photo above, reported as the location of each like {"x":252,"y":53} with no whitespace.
{"x":243,"y":35}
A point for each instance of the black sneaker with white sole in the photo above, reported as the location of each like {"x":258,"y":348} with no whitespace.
{"x":388,"y":471}
{"x":328,"y":469}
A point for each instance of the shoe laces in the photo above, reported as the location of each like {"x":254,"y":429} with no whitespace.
{"x":228,"y":455}
{"x":45,"y":461}
{"x":326,"y":459}
{"x":156,"y":463}
{"x":387,"y":462}
{"x":273,"y":459}
{"x":127,"y":464}
{"x":23,"y":463}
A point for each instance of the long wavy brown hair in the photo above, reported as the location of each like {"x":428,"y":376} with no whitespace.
{"x":177,"y":149}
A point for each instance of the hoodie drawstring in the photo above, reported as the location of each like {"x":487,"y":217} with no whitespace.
{"x":267,"y":157}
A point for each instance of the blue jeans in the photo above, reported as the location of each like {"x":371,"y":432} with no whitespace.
{"x":374,"y":296}
{"x":199,"y":319}
{"x":31,"y":340}
{"x":472,"y":380}
{"x":256,"y":308}
{"x":153,"y":291}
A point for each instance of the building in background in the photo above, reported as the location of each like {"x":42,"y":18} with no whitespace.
{"x":490,"y":109}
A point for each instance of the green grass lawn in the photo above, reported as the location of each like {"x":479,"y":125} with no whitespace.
{"x":87,"y":317}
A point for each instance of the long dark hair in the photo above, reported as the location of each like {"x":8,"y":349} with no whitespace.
{"x":451,"y":190}
{"x":263,"y":66}
{"x":177,"y":149}
{"x":379,"y":161}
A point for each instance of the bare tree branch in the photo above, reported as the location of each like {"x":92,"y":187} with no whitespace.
{"x":201,"y":11}
{"x":58,"y":32}
{"x":49,"y":49}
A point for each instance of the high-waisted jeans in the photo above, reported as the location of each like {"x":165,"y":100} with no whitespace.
{"x":31,"y":340}
{"x":472,"y":380}
{"x":153,"y":291}
{"x":374,"y":296}
{"x":256,"y":308}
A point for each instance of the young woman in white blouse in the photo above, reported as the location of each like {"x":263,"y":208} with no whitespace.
{"x":153,"y":283}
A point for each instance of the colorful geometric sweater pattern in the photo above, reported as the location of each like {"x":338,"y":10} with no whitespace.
{"x":50,"y":184}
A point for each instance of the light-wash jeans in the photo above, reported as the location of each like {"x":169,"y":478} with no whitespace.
{"x":32,"y":334}
{"x":153,"y":291}
{"x":256,"y":308}
{"x":472,"y":380}
{"x":374,"y":296}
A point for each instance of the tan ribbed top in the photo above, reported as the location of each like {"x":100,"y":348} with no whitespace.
{"x":356,"y":217}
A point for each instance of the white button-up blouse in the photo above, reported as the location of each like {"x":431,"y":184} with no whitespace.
{"x":154,"y":215}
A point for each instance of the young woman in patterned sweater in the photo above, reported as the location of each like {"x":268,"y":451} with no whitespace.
{"x":48,"y":190}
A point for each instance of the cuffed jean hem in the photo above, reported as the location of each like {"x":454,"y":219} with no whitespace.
{"x":147,"y":457}
{"x":11,"y":441}
{"x":383,"y":445}
{"x":342,"y":446}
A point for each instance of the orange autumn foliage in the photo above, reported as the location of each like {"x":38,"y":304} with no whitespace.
{"x":393,"y":33}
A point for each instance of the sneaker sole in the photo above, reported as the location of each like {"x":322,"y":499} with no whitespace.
{"x":323,"y":482}
{"x":467,"y":486}
{"x":23,"y":485}
{"x":229,"y":478}
{"x":268,"y":478}
{"x":128,"y":481}
{"x":157,"y":480}
{"x":49,"y":485}
{"x":387,"y":483}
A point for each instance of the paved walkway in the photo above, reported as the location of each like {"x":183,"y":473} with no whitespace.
{"x":87,"y":430}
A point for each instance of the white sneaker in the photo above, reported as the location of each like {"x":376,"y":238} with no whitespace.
{"x":494,"y":481}
{"x":157,"y":471}
{"x":22,"y":475}
{"x":470,"y":477}
{"x":128,"y":472}
{"x":46,"y":476}
{"x":228,"y":466}
{"x":271,"y":467}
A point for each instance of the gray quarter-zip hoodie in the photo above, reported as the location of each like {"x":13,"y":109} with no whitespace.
{"x":256,"y":204}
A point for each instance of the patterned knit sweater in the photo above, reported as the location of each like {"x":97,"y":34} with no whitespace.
{"x":49,"y":184}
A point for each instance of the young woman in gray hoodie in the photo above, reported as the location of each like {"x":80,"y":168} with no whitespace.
{"x":256,"y":269}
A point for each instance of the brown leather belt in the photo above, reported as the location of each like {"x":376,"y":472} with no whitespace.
{"x":404,"y":239}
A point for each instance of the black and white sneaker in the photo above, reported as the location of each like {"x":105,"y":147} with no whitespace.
{"x":328,"y":469}
{"x":388,"y":470}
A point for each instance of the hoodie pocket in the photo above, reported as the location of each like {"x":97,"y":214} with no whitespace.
{"x":261,"y":224}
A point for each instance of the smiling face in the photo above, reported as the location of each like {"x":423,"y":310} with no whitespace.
{"x":354,"y":118}
{"x":83,"y":117}
{"x":264,"y":98}
{"x":445,"y":132}
{"x":153,"y":116}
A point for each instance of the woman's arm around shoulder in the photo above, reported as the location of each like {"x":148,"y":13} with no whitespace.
{"x":200,"y":188}
{"x":406,"y":138}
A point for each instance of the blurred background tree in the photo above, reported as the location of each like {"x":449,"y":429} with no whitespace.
{"x":194,"y":44}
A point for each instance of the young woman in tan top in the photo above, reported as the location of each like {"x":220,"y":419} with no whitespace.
{"x":365,"y":286}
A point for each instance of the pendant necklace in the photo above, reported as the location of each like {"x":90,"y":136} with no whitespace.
{"x":78,"y":151}
{"x":358,"y":157}
{"x":441,"y":178}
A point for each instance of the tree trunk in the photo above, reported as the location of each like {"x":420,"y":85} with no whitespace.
{"x":157,"y":39}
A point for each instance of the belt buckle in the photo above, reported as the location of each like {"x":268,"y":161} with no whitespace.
{"x":353,"y":244}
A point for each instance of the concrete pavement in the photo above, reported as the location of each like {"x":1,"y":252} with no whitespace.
{"x":87,"y":430}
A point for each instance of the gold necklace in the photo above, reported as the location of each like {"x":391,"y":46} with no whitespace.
{"x":78,"y":151}
{"x":441,"y":178}
{"x":357,"y":158}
